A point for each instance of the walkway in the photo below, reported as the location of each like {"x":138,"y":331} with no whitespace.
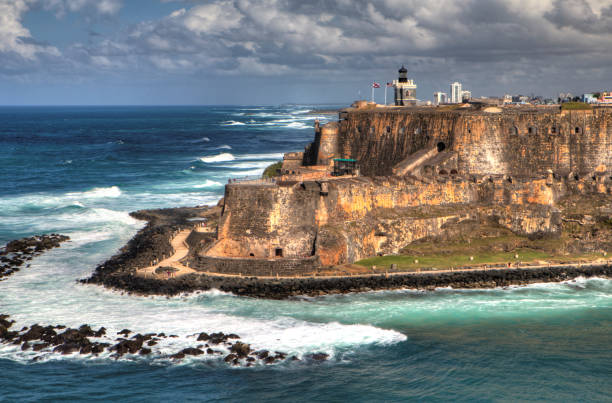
{"x":181,"y":249}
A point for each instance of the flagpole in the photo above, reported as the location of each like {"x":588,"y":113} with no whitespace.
{"x":372,"y":100}
{"x":386,"y":95}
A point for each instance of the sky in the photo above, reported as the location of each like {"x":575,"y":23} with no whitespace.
{"x":247,"y":52}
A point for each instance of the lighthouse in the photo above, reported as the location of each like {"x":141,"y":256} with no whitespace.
{"x":405,"y":89}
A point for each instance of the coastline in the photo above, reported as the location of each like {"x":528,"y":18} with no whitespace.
{"x":154,"y":241}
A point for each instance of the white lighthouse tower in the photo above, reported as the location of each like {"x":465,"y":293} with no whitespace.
{"x":405,"y":90}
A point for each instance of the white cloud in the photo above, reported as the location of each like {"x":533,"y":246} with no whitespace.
{"x":14,"y":37}
{"x":212,"y":18}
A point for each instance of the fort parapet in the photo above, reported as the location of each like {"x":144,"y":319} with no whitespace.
{"x":419,"y":169}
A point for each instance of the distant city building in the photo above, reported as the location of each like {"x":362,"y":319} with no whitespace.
{"x":589,"y":98}
{"x":507,"y":99}
{"x":405,"y":90}
{"x":606,"y":98}
{"x":440,"y":98}
{"x":456,"y":93}
{"x":466,"y":95}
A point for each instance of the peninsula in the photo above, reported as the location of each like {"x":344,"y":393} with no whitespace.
{"x":385,"y":197}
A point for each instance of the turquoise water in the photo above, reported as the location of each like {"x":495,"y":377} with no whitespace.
{"x":79,"y":171}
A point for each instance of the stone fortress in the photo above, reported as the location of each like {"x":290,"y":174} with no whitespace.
{"x":380,"y":178}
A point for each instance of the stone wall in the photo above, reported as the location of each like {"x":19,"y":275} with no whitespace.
{"x":255,"y":267}
{"x":515,"y":142}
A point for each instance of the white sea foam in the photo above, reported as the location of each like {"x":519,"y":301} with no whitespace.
{"x":232,"y":123}
{"x":218,"y":158}
{"x":267,"y":156}
{"x":248,"y":165}
{"x":222,"y":147}
{"x":208,"y":184}
{"x":112,"y":191}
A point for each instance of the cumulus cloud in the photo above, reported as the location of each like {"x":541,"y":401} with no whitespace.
{"x":530,"y":42}
{"x":15,"y":39}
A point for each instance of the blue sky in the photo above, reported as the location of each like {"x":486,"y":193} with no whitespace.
{"x":279,"y":51}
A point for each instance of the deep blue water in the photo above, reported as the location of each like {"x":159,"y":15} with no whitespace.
{"x":80,"y":170}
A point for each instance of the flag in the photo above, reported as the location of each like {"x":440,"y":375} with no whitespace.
{"x":375,"y":85}
{"x":389,"y":84}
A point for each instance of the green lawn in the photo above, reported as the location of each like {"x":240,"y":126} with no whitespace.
{"x":272,"y":170}
{"x":445,"y":261}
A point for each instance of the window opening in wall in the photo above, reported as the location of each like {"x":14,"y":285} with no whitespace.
{"x":278,"y":252}
{"x":388,"y":129}
{"x":513,"y":131}
{"x":532,"y":130}
{"x":443,"y":172}
{"x":453,"y":172}
{"x":251,"y":254}
{"x":577,"y":130}
{"x":553,"y":130}
{"x":441,"y":147}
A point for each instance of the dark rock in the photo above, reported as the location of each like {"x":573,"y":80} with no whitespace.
{"x":209,"y":351}
{"x":145,"y":351}
{"x":318,"y":356}
{"x":262,"y":354}
{"x":125,"y":332}
{"x":25,"y":346}
{"x":230,"y":357}
{"x":152,"y":342}
{"x":269,"y":360}
{"x":192,"y":351}
{"x":178,"y":356}
{"x":67,"y":348}
{"x":38,"y":347}
{"x":100,"y":332}
{"x":203,"y":336}
{"x":241,"y":349}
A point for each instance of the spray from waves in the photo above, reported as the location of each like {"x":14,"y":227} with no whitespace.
{"x":112,"y":191}
{"x":232,"y":123}
{"x":202,"y":140}
{"x":223,"y":157}
{"x":208,"y":184}
{"x":221,"y":147}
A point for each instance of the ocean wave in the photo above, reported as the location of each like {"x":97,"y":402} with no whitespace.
{"x":247,"y":165}
{"x":202,"y":140}
{"x":112,"y":191}
{"x":265,"y":156}
{"x":232,"y":123}
{"x":208,"y":184}
{"x":223,"y":157}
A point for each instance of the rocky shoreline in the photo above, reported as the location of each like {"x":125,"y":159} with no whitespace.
{"x":17,"y":253}
{"x":86,"y":341}
{"x":312,"y":286}
{"x":119,"y":271}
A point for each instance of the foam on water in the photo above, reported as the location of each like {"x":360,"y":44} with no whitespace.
{"x":208,"y":184}
{"x":218,"y":158}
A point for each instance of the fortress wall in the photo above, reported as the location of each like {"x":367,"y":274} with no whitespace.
{"x":528,"y":143}
{"x":380,"y":140}
{"x":257,"y":219}
{"x":485,"y":143}
{"x":255,"y":267}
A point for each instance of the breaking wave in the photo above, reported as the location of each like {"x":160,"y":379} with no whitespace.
{"x":223,"y":157}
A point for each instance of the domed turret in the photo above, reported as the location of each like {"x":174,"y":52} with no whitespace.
{"x":403,"y":74}
{"x":405,"y":90}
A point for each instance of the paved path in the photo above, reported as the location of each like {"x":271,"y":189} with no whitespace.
{"x":180,"y":251}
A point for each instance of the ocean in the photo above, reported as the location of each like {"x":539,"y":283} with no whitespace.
{"x":79,"y":171}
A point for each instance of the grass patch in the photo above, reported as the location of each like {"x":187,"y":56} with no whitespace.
{"x":272,"y":170}
{"x":445,"y":261}
{"x":575,"y":106}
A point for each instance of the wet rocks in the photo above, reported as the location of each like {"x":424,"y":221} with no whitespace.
{"x":16,"y":253}
{"x":82,"y":340}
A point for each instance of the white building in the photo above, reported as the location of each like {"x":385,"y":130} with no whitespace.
{"x":440,"y":98}
{"x":456,"y":93}
{"x":466,"y":95}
